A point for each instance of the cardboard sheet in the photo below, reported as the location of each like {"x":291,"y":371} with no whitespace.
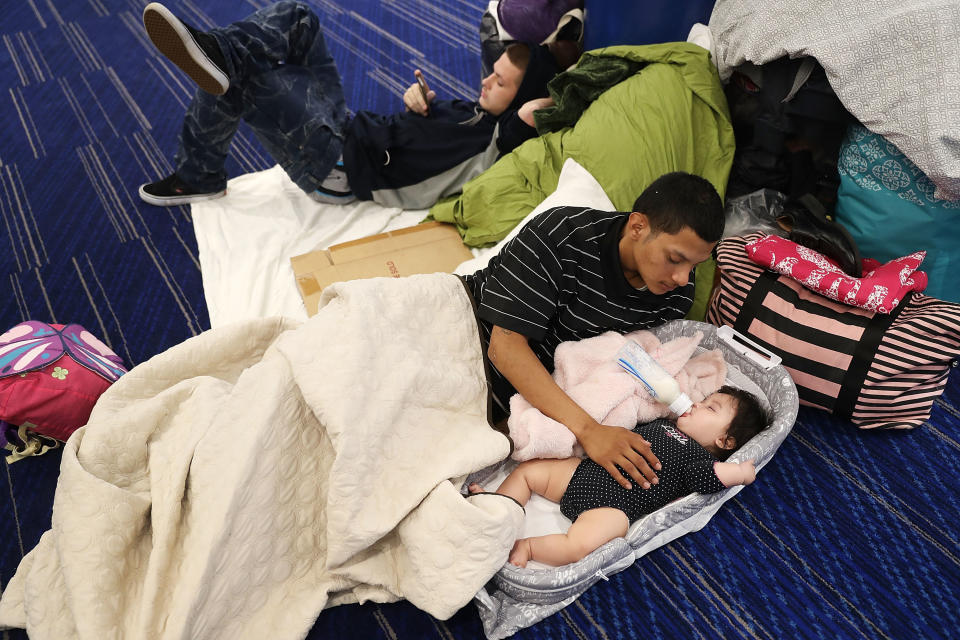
{"x":246,"y":239}
{"x":423,"y":248}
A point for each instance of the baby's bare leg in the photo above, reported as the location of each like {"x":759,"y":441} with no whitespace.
{"x":588,"y":533}
{"x":548,"y":478}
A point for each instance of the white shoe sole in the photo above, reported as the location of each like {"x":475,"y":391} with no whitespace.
{"x":173,"y":40}
{"x":172,"y":201}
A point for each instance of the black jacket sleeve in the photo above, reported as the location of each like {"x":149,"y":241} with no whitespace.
{"x":513,"y":132}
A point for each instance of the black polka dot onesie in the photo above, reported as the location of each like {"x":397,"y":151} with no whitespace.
{"x":686,"y":468}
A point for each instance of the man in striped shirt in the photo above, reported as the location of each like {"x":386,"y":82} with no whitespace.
{"x":573,"y":273}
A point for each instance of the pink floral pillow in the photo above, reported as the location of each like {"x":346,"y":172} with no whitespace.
{"x":881,"y":288}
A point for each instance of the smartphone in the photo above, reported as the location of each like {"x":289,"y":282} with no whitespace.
{"x":423,"y":88}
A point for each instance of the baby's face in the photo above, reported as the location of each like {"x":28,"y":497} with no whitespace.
{"x":707,"y":422}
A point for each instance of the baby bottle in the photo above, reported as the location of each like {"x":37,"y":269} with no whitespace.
{"x":661,"y":385}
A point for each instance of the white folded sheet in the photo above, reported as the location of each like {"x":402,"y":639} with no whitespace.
{"x":246,"y":240}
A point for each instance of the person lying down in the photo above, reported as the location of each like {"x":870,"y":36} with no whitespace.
{"x":692,"y":450}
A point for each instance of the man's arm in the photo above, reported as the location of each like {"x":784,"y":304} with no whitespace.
{"x":526,"y":110}
{"x":516,"y":127}
{"x":607,"y":446}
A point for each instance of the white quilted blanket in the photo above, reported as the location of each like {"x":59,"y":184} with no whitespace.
{"x":237,"y":484}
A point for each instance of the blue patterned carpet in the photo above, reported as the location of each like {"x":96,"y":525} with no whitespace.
{"x":845,"y":534}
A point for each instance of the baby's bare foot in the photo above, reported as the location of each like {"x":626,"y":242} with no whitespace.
{"x":475,"y":488}
{"x":521,"y":552}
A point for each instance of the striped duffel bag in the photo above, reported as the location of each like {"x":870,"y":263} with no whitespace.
{"x":881,"y":371}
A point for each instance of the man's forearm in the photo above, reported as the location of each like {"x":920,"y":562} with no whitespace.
{"x":528,"y":108}
{"x":512,"y":356}
{"x":621,"y":452}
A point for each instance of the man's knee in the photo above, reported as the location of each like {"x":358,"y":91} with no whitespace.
{"x":302,"y":25}
{"x":296,"y":12}
{"x":293,"y":6}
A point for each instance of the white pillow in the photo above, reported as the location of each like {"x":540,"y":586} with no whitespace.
{"x":576,"y":187}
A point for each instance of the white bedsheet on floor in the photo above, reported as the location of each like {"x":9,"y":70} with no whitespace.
{"x":246,"y":240}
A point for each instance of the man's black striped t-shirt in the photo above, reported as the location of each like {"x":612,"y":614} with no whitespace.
{"x":561,"y":279}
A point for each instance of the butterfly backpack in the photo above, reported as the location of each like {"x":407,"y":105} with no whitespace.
{"x":50,"y":377}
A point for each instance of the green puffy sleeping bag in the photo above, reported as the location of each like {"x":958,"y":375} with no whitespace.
{"x":657,"y":108}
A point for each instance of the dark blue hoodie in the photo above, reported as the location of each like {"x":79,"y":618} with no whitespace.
{"x":410,"y":161}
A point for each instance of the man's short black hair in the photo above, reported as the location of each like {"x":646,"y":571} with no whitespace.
{"x":749,"y":418}
{"x":519,"y":55}
{"x":677,"y":200}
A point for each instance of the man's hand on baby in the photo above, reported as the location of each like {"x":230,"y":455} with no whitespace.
{"x":614,"y":446}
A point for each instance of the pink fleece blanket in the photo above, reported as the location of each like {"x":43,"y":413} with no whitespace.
{"x":588,"y":372}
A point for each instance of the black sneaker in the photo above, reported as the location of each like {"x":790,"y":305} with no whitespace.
{"x":335,"y":189}
{"x":195,"y":52}
{"x":172,"y":191}
{"x":327,"y":196}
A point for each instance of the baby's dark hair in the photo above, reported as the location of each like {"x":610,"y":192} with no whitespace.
{"x":749,"y":419}
{"x":677,"y":200}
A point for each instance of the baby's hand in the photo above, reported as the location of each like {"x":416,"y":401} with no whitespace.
{"x":732,"y":474}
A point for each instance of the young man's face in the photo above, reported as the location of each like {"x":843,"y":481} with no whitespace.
{"x":661,"y":261}
{"x":707,"y":422}
{"x":500,"y":87}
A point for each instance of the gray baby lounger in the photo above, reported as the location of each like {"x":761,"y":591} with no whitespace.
{"x":516,"y":598}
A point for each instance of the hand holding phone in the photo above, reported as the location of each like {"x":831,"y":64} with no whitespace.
{"x":418,"y":96}
{"x":423,"y":87}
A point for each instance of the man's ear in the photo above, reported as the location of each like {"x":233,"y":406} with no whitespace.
{"x":726,"y":442}
{"x":637,"y":225}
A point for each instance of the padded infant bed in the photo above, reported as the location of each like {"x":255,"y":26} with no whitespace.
{"x":518,"y":597}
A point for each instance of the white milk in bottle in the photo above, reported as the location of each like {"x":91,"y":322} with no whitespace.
{"x":661,"y":385}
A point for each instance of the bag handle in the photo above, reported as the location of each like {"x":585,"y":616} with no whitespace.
{"x":738,"y":342}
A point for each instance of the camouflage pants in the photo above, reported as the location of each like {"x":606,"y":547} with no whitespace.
{"x":284,"y":85}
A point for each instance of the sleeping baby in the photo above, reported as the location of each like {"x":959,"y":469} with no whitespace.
{"x":587,"y":371}
{"x":691,"y":449}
